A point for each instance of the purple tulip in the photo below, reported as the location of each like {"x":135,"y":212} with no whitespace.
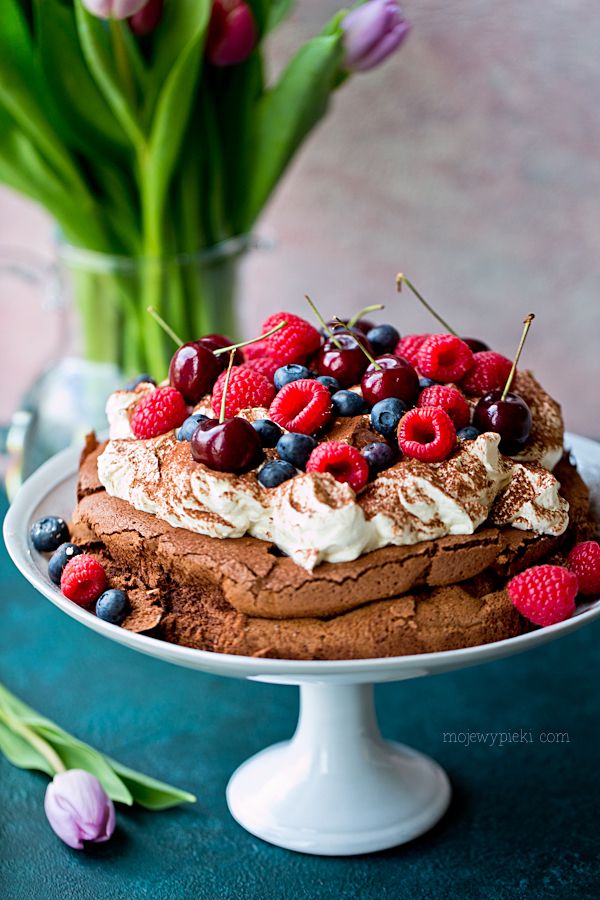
{"x":231,"y":33}
{"x":78,"y":809}
{"x":114,"y":9}
{"x":372,"y":32}
{"x":148,"y":18}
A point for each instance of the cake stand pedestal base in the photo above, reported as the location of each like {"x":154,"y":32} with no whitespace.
{"x":337,"y":788}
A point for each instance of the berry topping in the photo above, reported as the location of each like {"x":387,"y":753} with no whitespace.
{"x":379,"y":456}
{"x":427,"y":434}
{"x":343,"y":358}
{"x":509,"y":416}
{"x":488,"y":373}
{"x":450,"y":400}
{"x":390,"y":376}
{"x":268,"y":432}
{"x":229,"y":446}
{"x":296,"y":449}
{"x":383,"y":339}
{"x":266,"y":365}
{"x":345,"y":463}
{"x":139,"y":379}
{"x":112,"y":606}
{"x":386,"y":415}
{"x":189,"y":426}
{"x":584,"y":561}
{"x":408,"y":347}
{"x":158,"y":412}
{"x":83,"y":579}
{"x":247,"y":389}
{"x":468,"y":433}
{"x":426,"y":382}
{"x":348,"y":403}
{"x":303,"y":406}
{"x":332,"y":384}
{"x":193,"y":370}
{"x":444,"y":357}
{"x":295,"y":342}
{"x":219,"y":342}
{"x":544,"y":594}
{"x":255,"y":351}
{"x":276,"y":472}
{"x":291,"y":372}
{"x":475,"y":344}
{"x":49,"y":533}
{"x":59,"y":560}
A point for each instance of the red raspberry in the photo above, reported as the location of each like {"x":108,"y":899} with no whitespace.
{"x":266,"y":365}
{"x":252,"y":351}
{"x":584,"y":560}
{"x":247,"y":388}
{"x":83,"y":579}
{"x":159,"y":412}
{"x":444,"y":357}
{"x":450,"y":400}
{"x":409,"y":346}
{"x":345,"y":463}
{"x":488,"y":373}
{"x":303,"y":405}
{"x":427,"y":434}
{"x":293,"y":343}
{"x":544,"y":594}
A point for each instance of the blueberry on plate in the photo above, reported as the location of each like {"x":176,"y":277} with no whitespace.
{"x":289,"y":373}
{"x":348,"y":403}
{"x":268,"y":432}
{"x":139,"y":379}
{"x":379,"y":456}
{"x":59,"y":559}
{"x":275,"y":473}
{"x":49,"y":533}
{"x":383,"y":339}
{"x":331,"y":383}
{"x":386,"y":414}
{"x":296,"y":448}
{"x":112,"y":606}
{"x":468,"y":433}
{"x":185,"y":431}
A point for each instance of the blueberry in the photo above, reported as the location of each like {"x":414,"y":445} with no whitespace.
{"x":468,"y":433}
{"x":49,"y":533}
{"x":140,"y":379}
{"x":379,"y":456}
{"x":59,"y":559}
{"x":185,"y":431}
{"x":268,"y":432}
{"x":332,"y":384}
{"x":112,"y":606}
{"x":276,"y":472}
{"x":289,"y":373}
{"x":348,"y":403}
{"x":383,"y":339}
{"x":296,"y":448}
{"x":386,"y":414}
{"x":426,"y":382}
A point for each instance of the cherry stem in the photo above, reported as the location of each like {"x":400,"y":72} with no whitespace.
{"x":362,"y":347}
{"x":526,"y":326}
{"x":402,"y":279}
{"x":226,"y":386}
{"x":166,"y":328}
{"x":322,"y":322}
{"x":366,"y":309}
{"x":253,"y":340}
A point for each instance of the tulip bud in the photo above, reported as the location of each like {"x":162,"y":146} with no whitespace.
{"x":78,"y":809}
{"x":372,"y":32}
{"x":147,"y":18}
{"x":113,"y":9}
{"x":231,"y":33}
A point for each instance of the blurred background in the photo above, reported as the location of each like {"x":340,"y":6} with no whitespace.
{"x":470,"y":161}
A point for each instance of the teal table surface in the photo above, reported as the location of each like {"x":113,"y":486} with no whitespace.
{"x":523,"y":820}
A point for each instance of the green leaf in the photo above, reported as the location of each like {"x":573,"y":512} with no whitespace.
{"x":20,"y":753}
{"x":149,"y":792}
{"x":280,"y":10}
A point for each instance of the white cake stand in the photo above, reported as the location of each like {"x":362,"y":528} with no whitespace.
{"x":336,"y":788}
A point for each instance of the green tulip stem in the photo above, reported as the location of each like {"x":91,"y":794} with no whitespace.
{"x":37,"y":742}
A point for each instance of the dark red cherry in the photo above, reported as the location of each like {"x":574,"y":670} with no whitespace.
{"x":509,"y":417}
{"x":193,"y":370}
{"x":395,"y":378}
{"x":347,"y":362}
{"x":475,"y":344}
{"x":218,"y":342}
{"x":361,"y":327}
{"x":229,"y":446}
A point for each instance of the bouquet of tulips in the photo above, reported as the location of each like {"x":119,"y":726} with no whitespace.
{"x":151,"y":132}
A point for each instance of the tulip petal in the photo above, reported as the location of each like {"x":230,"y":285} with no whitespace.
{"x":78,"y":809}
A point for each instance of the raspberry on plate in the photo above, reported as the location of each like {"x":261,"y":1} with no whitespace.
{"x":247,"y":389}
{"x":408,"y":347}
{"x":160,"y":411}
{"x":295,"y":342}
{"x":450,"y":400}
{"x":427,"y":434}
{"x":303,"y":406}
{"x":488,"y":373}
{"x":544,"y":594}
{"x":345,"y":463}
{"x":266,"y":365}
{"x":584,"y":561}
{"x":444,"y":357}
{"x":83,"y":579}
